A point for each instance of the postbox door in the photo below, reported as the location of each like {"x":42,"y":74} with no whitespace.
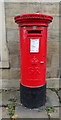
{"x":33,"y":59}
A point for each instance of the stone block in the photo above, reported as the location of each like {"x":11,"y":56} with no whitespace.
{"x":60,"y":56}
{"x":52,"y":58}
{"x":11,"y":5}
{"x":23,"y":112}
{"x":52,"y":98}
{"x":10,"y":23}
{"x":14,"y":48}
{"x":53,"y":35}
{"x":50,"y":8}
{"x":30,"y":7}
{"x":5,"y":73}
{"x":0,"y":113}
{"x":13,"y":73}
{"x":52,"y":48}
{"x":5,"y":113}
{"x":49,"y":58}
{"x":14,"y":61}
{"x":9,"y":84}
{"x":23,"y":8}
{"x":0,"y":98}
{"x":4,"y":64}
{"x":60,"y":8}
{"x":13,"y":35}
{"x":14,"y":84}
{"x":55,"y":61}
{"x":52,"y":72}
{"x":0,"y":73}
{"x":53,"y":83}
{"x":60,"y":27}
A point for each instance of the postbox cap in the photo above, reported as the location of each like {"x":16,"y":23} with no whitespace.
{"x":33,"y":17}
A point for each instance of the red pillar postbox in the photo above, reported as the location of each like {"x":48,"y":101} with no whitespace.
{"x":33,"y":43}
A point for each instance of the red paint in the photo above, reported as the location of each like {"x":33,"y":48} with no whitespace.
{"x":33,"y":65}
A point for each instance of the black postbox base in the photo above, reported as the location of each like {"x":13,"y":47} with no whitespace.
{"x":33,"y":97}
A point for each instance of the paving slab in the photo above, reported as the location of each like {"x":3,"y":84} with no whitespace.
{"x":24,"y":112}
{"x":10,"y":97}
{"x":5,"y":113}
{"x":51,"y":101}
{"x":52,"y":98}
{"x":0,"y":113}
{"x":14,"y":96}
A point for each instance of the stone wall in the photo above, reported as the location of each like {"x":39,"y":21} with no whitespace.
{"x":12,"y":34}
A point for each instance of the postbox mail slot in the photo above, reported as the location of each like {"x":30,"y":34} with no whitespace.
{"x":34,"y":31}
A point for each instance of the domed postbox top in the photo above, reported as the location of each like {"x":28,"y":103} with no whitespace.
{"x":33,"y":17}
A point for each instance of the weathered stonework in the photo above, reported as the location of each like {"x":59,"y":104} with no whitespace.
{"x":21,"y":8}
{"x":12,"y":73}
{"x":12,"y":32}
{"x":14,"y":48}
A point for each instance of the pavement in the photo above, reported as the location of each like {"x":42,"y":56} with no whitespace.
{"x":51,"y":109}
